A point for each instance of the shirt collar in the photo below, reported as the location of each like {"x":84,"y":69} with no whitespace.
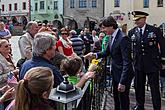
{"x":143,"y":28}
{"x":115,"y":32}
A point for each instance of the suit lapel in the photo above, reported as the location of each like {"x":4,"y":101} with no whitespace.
{"x":116,"y":37}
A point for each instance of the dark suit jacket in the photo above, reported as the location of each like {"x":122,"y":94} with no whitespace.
{"x":147,"y":54}
{"x":122,"y":69}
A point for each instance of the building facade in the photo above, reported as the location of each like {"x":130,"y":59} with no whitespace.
{"x":121,"y":10}
{"x":14,"y":11}
{"x":51,"y":10}
{"x":83,"y":13}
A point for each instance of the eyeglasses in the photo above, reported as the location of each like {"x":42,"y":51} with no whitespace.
{"x":8,"y":45}
{"x":64,"y":33}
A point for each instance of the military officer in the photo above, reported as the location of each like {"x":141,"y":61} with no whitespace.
{"x":149,"y":58}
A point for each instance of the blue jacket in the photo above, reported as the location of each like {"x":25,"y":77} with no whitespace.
{"x":37,"y":61}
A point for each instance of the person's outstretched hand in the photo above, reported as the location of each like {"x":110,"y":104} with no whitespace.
{"x":90,"y":56}
{"x":7,"y":95}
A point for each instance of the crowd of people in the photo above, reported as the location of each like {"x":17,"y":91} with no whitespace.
{"x":47,"y":54}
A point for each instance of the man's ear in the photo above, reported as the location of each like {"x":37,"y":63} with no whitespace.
{"x":45,"y":95}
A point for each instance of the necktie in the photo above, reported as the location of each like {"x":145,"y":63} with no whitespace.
{"x":111,"y":42}
{"x":141,"y":34}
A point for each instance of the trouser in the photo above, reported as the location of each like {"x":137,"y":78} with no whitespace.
{"x":162,"y":84}
{"x":121,"y":99}
{"x":153,"y":81}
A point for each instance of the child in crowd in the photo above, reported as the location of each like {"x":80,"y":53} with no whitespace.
{"x":72,"y":67}
{"x":33,"y":91}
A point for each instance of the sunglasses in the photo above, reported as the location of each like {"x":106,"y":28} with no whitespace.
{"x":8,"y":45}
{"x":64,"y":33}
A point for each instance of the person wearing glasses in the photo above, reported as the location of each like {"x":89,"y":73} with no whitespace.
{"x":6,"y":66}
{"x":64,"y":45}
{"x":6,"y":63}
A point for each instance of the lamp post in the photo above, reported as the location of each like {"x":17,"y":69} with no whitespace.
{"x":65,"y":96}
{"x":0,"y":13}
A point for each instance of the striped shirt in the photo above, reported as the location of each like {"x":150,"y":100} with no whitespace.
{"x":78,"y":45}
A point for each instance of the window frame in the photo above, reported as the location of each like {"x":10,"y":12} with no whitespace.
{"x":42,"y":5}
{"x":159,"y":4}
{"x":10,"y":7}
{"x":72,"y":2}
{"x":15,"y":7}
{"x":94,"y":3}
{"x":55,"y":3}
{"x":116,"y":3}
{"x":36,"y":6}
{"x":146,"y":3}
{"x":82,"y":3}
{"x":3,"y":7}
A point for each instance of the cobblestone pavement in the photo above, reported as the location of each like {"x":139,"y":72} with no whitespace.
{"x":148,"y":102}
{"x":15,"y":48}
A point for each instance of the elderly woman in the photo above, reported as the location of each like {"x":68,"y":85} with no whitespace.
{"x":6,"y":63}
{"x":64,"y":45}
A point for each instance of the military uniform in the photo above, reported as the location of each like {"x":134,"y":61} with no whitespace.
{"x":147,"y":62}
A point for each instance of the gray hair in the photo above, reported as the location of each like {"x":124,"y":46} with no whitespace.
{"x":42,"y":41}
{"x":30,"y":23}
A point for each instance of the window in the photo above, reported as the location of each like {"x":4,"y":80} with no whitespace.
{"x":117,"y":3}
{"x":82,"y":3}
{"x":9,"y":7}
{"x":146,"y":3}
{"x":160,"y":3}
{"x":3,"y":7}
{"x":55,"y":5}
{"x":36,"y":7}
{"x":71,"y":3}
{"x":24,"y":6}
{"x":42,"y":5}
{"x":15,"y":6}
{"x":94,"y":3}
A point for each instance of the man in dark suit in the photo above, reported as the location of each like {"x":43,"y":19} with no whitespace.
{"x":122,"y":70}
{"x":147,"y":59}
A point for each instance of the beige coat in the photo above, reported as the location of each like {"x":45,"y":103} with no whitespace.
{"x":25,"y":45}
{"x":5,"y":67}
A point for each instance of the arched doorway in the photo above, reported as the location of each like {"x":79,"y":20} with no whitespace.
{"x":5,"y":20}
{"x":14,"y":20}
{"x":91,"y":24}
{"x":57,"y":24}
{"x":72,"y":24}
{"x":23,"y":21}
